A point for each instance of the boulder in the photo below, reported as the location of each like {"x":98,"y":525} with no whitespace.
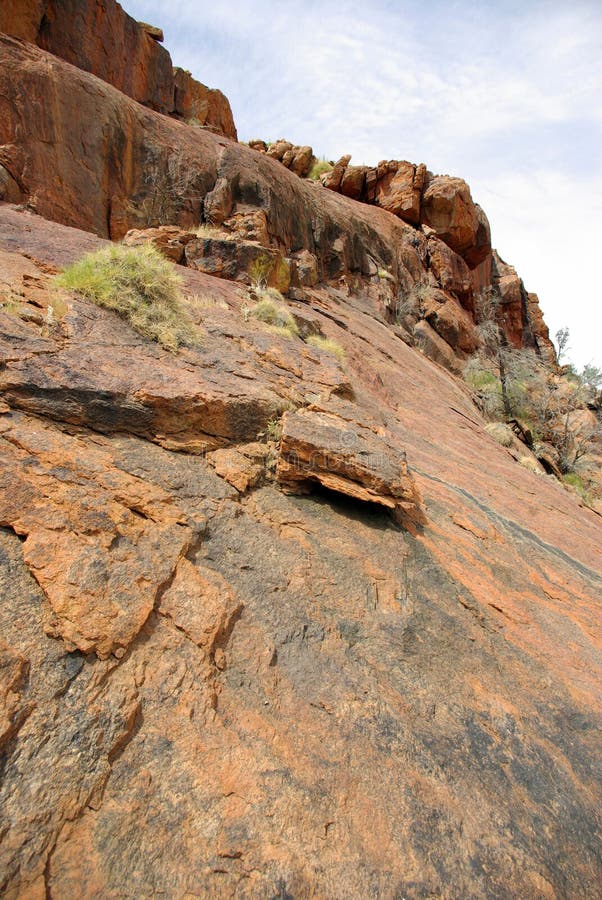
{"x":333,"y":178}
{"x":353,"y":181}
{"x":435,"y":347}
{"x":448,"y":208}
{"x":451,"y":272}
{"x":399,"y":189}
{"x":346,"y":456}
{"x":239,"y":260}
{"x":169,"y":239}
{"x":450,"y":321}
{"x":200,"y":105}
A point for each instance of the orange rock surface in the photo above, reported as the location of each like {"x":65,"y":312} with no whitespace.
{"x":211,"y":687}
{"x":279,"y":617}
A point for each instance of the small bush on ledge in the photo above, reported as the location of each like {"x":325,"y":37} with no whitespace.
{"x":139,"y":284}
{"x":275,"y":315}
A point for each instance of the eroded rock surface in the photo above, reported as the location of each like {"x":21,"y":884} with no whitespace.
{"x":333,"y":449}
{"x":209,"y":686}
{"x":102,"y":39}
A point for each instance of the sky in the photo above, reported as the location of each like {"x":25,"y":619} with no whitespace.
{"x":505,"y":94}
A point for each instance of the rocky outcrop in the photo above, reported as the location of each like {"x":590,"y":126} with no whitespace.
{"x":116,"y":171}
{"x":294,"y":665}
{"x":447,"y":207}
{"x":100,"y":38}
{"x":331,"y":448}
{"x":394,"y":185}
{"x":298,"y":159}
{"x":516,"y":315}
{"x":196,"y":103}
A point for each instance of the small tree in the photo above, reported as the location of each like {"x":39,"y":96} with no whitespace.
{"x":562,"y":340}
{"x":592,"y":376}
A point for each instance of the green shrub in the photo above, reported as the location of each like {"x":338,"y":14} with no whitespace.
{"x":575,"y":481}
{"x":328,"y":346}
{"x":319,"y":168}
{"x":139,"y":284}
{"x":276,"y":316}
{"x":481,"y":378}
{"x":260,"y":271}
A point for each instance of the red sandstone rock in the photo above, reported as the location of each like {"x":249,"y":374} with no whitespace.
{"x":399,"y":190}
{"x":169,"y":239}
{"x":348,"y":457}
{"x":448,"y":208}
{"x":451,"y":322}
{"x":451,"y":272}
{"x":102,"y":39}
{"x":353,"y":181}
{"x":332,"y":179}
{"x":298,"y":159}
{"x":202,"y":105}
{"x":296,"y":632}
{"x":436,"y":347}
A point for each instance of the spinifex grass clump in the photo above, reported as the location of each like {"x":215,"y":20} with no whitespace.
{"x":328,"y":346}
{"x":139,"y":284}
{"x":275,"y":315}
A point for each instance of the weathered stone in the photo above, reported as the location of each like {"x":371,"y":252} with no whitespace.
{"x":511,"y":311}
{"x":353,"y":180}
{"x":296,"y":629}
{"x":348,"y":457}
{"x":540,"y":331}
{"x":14,"y":670}
{"x":448,"y":208}
{"x":399,"y":190}
{"x":102,"y":39}
{"x":451,"y":272}
{"x":197,"y":103}
{"x":249,"y":226}
{"x":435,"y":347}
{"x":303,"y":160}
{"x":9,"y":189}
{"x":169,"y":239}
{"x":100,"y":546}
{"x":258,"y":145}
{"x":333,"y":179}
{"x":306,"y":268}
{"x":237,"y":469}
{"x":238,"y":260}
{"x":451,"y":322}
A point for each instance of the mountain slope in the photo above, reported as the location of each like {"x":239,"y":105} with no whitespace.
{"x":279,"y":618}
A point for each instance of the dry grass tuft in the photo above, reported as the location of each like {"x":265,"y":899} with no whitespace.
{"x":328,"y":346}
{"x":140,"y":285}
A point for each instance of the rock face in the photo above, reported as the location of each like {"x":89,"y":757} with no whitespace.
{"x":279,"y":617}
{"x":189,"y":654}
{"x":100,"y":38}
{"x":137,"y":168}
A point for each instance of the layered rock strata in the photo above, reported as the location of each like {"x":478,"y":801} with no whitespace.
{"x":209,"y":686}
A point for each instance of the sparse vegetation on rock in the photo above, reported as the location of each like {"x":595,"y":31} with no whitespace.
{"x":273,"y":626}
{"x":328,"y":346}
{"x":140,"y":285}
{"x":275,"y":314}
